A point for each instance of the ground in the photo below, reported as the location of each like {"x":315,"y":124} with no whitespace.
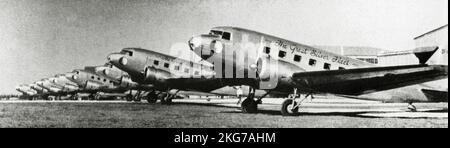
{"x":198,"y":113}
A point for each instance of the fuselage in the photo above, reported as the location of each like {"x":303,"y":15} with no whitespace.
{"x":244,"y":54}
{"x":91,"y":82}
{"x":149,"y":67}
{"x":171,"y":72}
{"x":241,"y":49}
{"x":26,"y":90}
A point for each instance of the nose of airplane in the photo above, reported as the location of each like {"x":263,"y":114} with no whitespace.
{"x":117,"y":59}
{"x":70,"y":76}
{"x":195,"y":42}
{"x":205,"y":46}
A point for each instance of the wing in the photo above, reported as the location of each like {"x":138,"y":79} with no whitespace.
{"x":367,"y":80}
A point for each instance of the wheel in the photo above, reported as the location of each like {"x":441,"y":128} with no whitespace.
{"x":249,"y":106}
{"x":287,"y":108}
{"x":152,"y":98}
{"x":96,"y":97}
{"x":129,"y":98}
{"x":162,"y":97}
{"x":91,"y":97}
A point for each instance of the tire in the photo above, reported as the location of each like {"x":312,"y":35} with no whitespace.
{"x":129,"y":98}
{"x":152,"y":98}
{"x":286,"y":110}
{"x":249,"y":106}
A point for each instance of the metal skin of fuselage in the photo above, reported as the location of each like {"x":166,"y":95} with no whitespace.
{"x":279,"y":64}
{"x":171,"y":73}
{"x":250,"y":47}
{"x":246,"y":49}
{"x":26,"y":90}
{"x":113,"y":73}
{"x":56,"y":86}
{"x":96,"y":85}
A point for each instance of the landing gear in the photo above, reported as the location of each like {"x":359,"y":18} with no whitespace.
{"x":290,"y":106}
{"x":129,"y":96}
{"x":249,"y":105}
{"x":411,"y":107}
{"x":97,"y":96}
{"x":91,"y":97}
{"x":152,"y":97}
{"x":166,"y":98}
{"x":137,"y":97}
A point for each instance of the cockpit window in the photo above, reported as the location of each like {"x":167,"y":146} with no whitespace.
{"x":130,"y":53}
{"x":215,"y":32}
{"x":226,"y":36}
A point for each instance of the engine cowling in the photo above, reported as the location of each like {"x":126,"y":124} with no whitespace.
{"x":267,"y":69}
{"x":153,"y":75}
{"x":270,"y":72}
{"x":126,"y":82}
{"x":91,"y":85}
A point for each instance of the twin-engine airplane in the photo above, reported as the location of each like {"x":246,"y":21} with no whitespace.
{"x":170,"y":75}
{"x":27,"y":92}
{"x":277,"y":65}
{"x":269,"y":66}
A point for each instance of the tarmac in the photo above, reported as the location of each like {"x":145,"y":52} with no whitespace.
{"x":318,"y":105}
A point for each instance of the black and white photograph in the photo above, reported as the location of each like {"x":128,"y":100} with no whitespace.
{"x":220,"y":64}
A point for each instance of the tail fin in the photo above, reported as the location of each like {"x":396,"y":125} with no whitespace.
{"x":425,"y":53}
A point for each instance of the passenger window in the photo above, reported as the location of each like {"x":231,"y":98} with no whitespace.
{"x":215,"y":32}
{"x":196,"y":73}
{"x":267,"y":50}
{"x":186,"y":70}
{"x":312,"y":62}
{"x":104,"y":80}
{"x":282,"y":54}
{"x":127,"y":52}
{"x":166,"y":65}
{"x":99,"y":79}
{"x":155,"y":62}
{"x":327,"y":66}
{"x":226,"y":36}
{"x":92,"y":77}
{"x":297,"y":58}
{"x":177,"y":68}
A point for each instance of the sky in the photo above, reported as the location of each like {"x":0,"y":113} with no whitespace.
{"x":41,"y":38}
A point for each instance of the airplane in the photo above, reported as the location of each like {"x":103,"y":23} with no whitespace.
{"x":27,"y":92}
{"x":53,"y":91}
{"x":111,"y":72}
{"x":171,"y":75}
{"x":270,"y":63}
{"x":42,"y":91}
{"x":97,"y":86}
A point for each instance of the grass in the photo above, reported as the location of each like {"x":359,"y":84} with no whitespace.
{"x":178,"y":115}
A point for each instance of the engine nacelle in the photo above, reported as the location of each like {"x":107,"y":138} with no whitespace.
{"x":126,"y":82}
{"x":267,"y":69}
{"x":270,"y":72}
{"x":91,"y":85}
{"x":153,"y":75}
